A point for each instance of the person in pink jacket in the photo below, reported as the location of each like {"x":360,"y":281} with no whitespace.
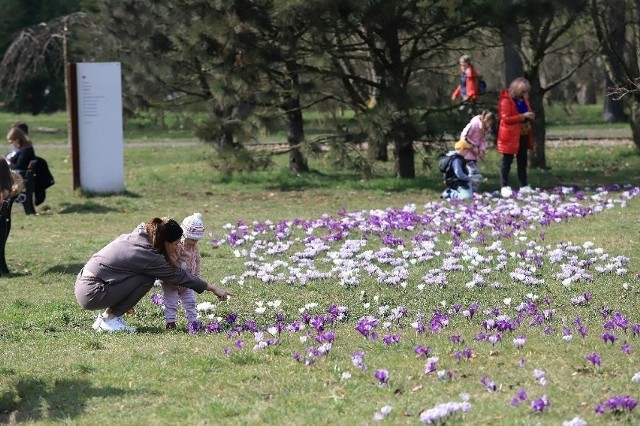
{"x":186,"y":257}
{"x":475,"y":133}
{"x":515,"y":134}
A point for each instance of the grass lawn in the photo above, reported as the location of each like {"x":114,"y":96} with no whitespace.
{"x":529,"y":304}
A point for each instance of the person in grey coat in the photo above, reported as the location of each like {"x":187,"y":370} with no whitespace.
{"x":119,"y":275}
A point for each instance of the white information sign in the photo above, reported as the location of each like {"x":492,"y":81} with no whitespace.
{"x":100,"y":130}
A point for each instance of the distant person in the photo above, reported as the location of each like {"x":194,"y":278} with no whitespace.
{"x":454,"y":169}
{"x":475,"y":132}
{"x":22,"y":152}
{"x":120,"y":274}
{"x":187,"y":257}
{"x":467,"y":90}
{"x":10,"y":182}
{"x":515,"y":133}
{"x":44,"y":179}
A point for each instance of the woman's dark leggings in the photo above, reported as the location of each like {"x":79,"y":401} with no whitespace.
{"x":521,"y":161}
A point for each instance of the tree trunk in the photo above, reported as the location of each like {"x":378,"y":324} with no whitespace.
{"x":295,"y":136}
{"x":536,"y":98}
{"x":634,"y":119}
{"x":612,"y":109}
{"x":513,"y":66}
{"x":377,"y":148}
{"x":404,"y":156}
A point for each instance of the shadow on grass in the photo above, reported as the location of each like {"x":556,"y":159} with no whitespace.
{"x":283,"y":180}
{"x":34,"y":400}
{"x":88,"y":207}
{"x":126,"y":194}
{"x":72,"y":268}
{"x":92,"y":207}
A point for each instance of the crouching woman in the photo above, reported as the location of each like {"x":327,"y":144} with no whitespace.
{"x":119,"y":275}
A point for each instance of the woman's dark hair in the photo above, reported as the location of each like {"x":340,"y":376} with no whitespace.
{"x":22,"y":126}
{"x":162,"y":231}
{"x":6,"y":182}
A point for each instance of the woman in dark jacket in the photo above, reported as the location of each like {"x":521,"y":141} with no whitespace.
{"x":119,"y":275}
{"x":23,"y":151}
{"x":515,"y":135}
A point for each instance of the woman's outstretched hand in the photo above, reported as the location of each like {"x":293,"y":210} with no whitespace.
{"x":220,"y":293}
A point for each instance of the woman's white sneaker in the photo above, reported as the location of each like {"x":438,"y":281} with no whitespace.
{"x":97,"y":322}
{"x":506,"y":192}
{"x":526,"y":189}
{"x":114,"y":324}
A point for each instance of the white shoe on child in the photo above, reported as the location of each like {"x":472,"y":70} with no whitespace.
{"x":526,"y":189}
{"x":506,"y":192}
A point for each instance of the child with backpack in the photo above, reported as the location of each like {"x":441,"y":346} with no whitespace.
{"x":454,"y":170}
{"x":475,"y":133}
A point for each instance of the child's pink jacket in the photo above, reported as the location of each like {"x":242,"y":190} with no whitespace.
{"x":475,"y":134}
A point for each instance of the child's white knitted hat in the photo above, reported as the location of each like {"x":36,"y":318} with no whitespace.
{"x":193,"y":227}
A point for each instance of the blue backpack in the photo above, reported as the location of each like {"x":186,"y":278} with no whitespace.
{"x":482,"y":86}
{"x":445,"y":161}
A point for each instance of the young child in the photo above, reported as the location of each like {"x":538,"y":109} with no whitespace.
{"x":475,"y":132}
{"x":455,"y":174}
{"x":187,"y":257}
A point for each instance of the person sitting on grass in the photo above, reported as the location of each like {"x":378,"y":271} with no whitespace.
{"x":119,"y":275}
{"x":455,"y":175}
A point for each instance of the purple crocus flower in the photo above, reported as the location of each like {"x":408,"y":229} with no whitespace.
{"x":456,"y":339}
{"x":626,"y":348}
{"x":489,"y":385}
{"x":430,"y":366}
{"x":382,"y":376}
{"x":251,"y":326}
{"x":213,"y":327}
{"x":594,"y":358}
{"x":157,"y":299}
{"x":617,"y":405}
{"x":422,"y":350}
{"x":608,"y":337}
{"x":538,"y":405}
{"x":357,"y":358}
{"x":391,"y":339}
{"x":194,"y":327}
{"x":520,"y":396}
{"x":518,"y":342}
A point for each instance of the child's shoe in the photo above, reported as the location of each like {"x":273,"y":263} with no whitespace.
{"x":506,"y":192}
{"x":526,"y":189}
{"x":171,"y":326}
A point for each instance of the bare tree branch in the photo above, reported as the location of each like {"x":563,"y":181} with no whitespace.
{"x":33,"y":49}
